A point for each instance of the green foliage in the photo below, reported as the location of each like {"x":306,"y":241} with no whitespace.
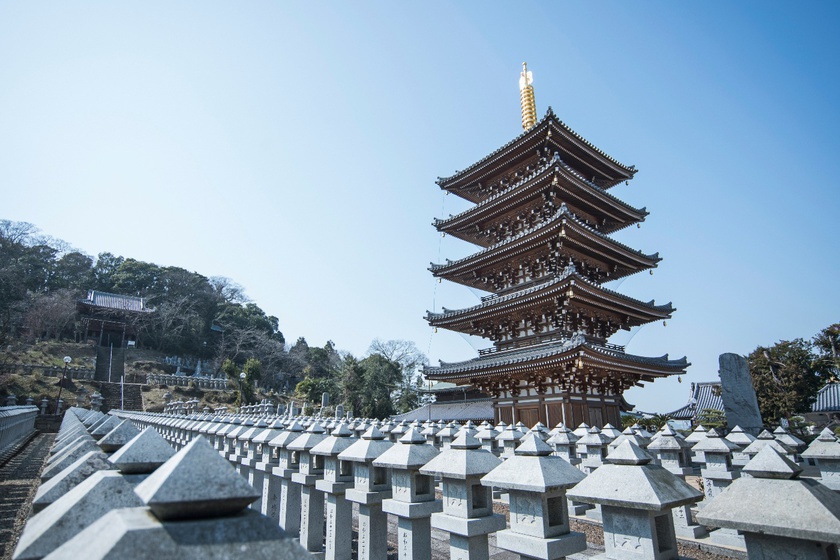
{"x":712,"y":418}
{"x":381,"y":376}
{"x":627,"y":421}
{"x":786,"y":377}
{"x":655,"y":422}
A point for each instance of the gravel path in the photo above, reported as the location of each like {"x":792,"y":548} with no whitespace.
{"x":19,"y":480}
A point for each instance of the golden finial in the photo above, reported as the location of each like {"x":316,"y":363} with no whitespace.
{"x":526,"y":98}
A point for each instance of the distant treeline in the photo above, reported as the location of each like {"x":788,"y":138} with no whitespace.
{"x":42,"y":278}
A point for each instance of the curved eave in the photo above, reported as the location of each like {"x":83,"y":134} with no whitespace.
{"x":609,"y":170}
{"x":563,"y":226}
{"x":553,"y":356}
{"x":585,"y":293}
{"x":584,"y":193}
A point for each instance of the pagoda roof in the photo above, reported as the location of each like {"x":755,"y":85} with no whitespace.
{"x":563,"y":225}
{"x":524,"y":361}
{"x":585,"y":292}
{"x":577,"y":190}
{"x":582,"y":154}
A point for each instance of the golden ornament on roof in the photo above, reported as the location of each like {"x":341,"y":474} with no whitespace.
{"x":526,"y":98}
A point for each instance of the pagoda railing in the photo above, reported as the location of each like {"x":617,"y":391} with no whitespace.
{"x":533,"y":340}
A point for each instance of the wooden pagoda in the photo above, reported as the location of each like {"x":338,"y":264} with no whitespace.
{"x":542,"y":218}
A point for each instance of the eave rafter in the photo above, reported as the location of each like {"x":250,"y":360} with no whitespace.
{"x":550,"y":186}
{"x":551,"y":132}
{"x":544,"y":249}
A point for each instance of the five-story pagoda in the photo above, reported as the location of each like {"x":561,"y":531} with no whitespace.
{"x":542,"y":217}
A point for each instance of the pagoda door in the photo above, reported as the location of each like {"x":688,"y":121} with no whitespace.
{"x":528,"y":416}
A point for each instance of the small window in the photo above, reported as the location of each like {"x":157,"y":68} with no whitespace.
{"x":663,"y":529}
{"x":423,"y":485}
{"x":556,"y":511}
{"x":295,"y":458}
{"x":380,"y":476}
{"x":479,"y":496}
{"x":318,"y":462}
{"x":345,"y":468}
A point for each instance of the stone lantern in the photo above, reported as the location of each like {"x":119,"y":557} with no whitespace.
{"x":668,"y":449}
{"x":695,"y":437}
{"x":766,"y":439}
{"x":288,"y":463}
{"x":447,"y":435}
{"x":371,"y":486}
{"x":248,"y":454}
{"x":338,"y":476}
{"x":311,"y":469}
{"x":630,"y":434}
{"x":780,"y":515}
{"x":508,"y":440}
{"x":487,"y":437}
{"x":825,"y":452}
{"x":636,"y":498}
{"x":564,"y":442}
{"x":536,"y":482}
{"x":413,"y":500}
{"x":742,"y":439}
{"x":596,"y":449}
{"x":467,"y":505}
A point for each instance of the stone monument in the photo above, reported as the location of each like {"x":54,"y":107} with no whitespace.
{"x":739,"y":400}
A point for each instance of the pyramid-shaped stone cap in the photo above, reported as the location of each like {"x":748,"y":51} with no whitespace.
{"x":794,"y":508}
{"x":713,"y":443}
{"x":73,"y":512}
{"x":533,"y":473}
{"x":117,"y":534}
{"x":610,"y":431}
{"x":461,"y":461}
{"x":824,"y":447}
{"x":371,"y":445}
{"x":411,"y":452}
{"x":485,"y":433}
{"x":118,"y":437}
{"x":143,"y":453}
{"x":68,"y":456}
{"x":196,"y":483}
{"x":787,"y":438}
{"x":290,"y":434}
{"x":69,"y":478}
{"x":594,"y":438}
{"x":698,"y":434}
{"x":532,"y":444}
{"x":338,"y":441}
{"x":465,"y":440}
{"x":762,"y":442}
{"x":738,"y":436}
{"x":769,"y":463}
{"x":510,"y":433}
{"x":103,"y":425}
{"x":667,"y":440}
{"x":91,"y":418}
{"x":563,"y":436}
{"x":634,"y":486}
{"x":628,"y":453}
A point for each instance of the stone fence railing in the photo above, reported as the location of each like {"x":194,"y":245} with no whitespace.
{"x":184,"y":381}
{"x":49,"y":371}
{"x":304,"y":476}
{"x":17,"y":423}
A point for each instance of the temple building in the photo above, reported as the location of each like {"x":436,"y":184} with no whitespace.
{"x":542,"y":219}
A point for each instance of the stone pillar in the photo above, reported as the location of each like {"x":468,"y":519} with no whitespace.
{"x":371,"y":486}
{"x":717,"y":476}
{"x":539,"y":518}
{"x":338,"y":476}
{"x":467,"y":505}
{"x":252,"y":453}
{"x":266,"y":460}
{"x":596,"y":449}
{"x":780,"y":515}
{"x":564,"y":442}
{"x":311,"y":499}
{"x":413,"y":500}
{"x":288,"y":463}
{"x":742,"y":439}
{"x":636,"y":498}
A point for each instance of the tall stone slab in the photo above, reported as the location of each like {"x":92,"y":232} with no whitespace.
{"x":738,"y":394}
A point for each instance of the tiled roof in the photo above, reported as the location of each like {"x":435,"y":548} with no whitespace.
{"x":514,"y":297}
{"x":116,"y":301}
{"x":704,"y":395}
{"x":460,"y":411}
{"x":554,"y":165}
{"x":563,"y":215}
{"x":538,"y":130}
{"x":523,"y":356}
{"x":828,"y":399}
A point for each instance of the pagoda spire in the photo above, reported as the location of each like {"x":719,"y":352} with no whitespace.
{"x":526,"y":98}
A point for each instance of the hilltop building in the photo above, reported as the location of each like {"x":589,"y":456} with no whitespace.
{"x":542,"y":219}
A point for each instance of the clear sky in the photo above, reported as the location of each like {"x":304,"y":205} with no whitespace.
{"x":294,"y":147}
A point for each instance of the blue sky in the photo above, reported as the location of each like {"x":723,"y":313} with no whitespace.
{"x":294,"y":147}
